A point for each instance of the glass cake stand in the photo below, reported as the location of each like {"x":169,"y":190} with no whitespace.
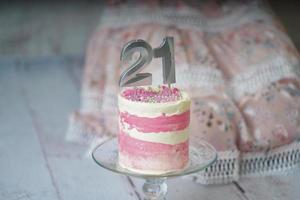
{"x":155,"y":187}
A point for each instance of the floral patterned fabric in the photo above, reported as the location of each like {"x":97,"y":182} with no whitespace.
{"x":255,"y":57}
{"x":272,"y":116}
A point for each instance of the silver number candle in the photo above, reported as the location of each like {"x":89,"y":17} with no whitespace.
{"x":166,"y":52}
{"x":132,"y":77}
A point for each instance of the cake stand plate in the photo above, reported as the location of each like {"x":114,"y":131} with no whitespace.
{"x":155,"y":188}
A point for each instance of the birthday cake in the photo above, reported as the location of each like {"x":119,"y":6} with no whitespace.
{"x":153,"y":129}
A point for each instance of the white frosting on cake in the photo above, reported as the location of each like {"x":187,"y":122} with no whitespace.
{"x":145,"y":109}
{"x":172,"y":137}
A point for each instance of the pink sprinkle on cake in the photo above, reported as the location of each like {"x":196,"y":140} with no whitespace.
{"x":161,"y":94}
{"x":153,"y":124}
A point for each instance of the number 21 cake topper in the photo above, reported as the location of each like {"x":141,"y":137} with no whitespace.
{"x":132,"y":77}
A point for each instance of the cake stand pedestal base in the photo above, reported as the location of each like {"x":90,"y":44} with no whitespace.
{"x":155,"y":189}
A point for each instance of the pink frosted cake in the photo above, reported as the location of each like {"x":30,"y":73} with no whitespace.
{"x":153,"y":123}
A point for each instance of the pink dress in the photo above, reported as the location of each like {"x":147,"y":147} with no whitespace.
{"x":235,"y":61}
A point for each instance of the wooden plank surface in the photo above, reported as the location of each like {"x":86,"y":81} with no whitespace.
{"x":48,"y":96}
{"x":284,"y":186}
{"x":22,"y":161}
{"x":36,"y":99}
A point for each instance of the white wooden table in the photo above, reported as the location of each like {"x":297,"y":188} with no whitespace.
{"x":37,"y":163}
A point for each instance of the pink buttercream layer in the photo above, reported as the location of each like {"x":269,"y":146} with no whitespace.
{"x":137,"y":147}
{"x":162,"y":123}
{"x":143,"y":155}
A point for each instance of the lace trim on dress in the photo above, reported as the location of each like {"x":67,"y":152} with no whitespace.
{"x":124,"y":16}
{"x":224,"y":170}
{"x":231,"y":166}
{"x":262,"y":75}
{"x":184,"y":17}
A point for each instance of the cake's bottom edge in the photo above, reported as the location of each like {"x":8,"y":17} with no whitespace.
{"x":150,"y":172}
{"x":156,"y":165}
